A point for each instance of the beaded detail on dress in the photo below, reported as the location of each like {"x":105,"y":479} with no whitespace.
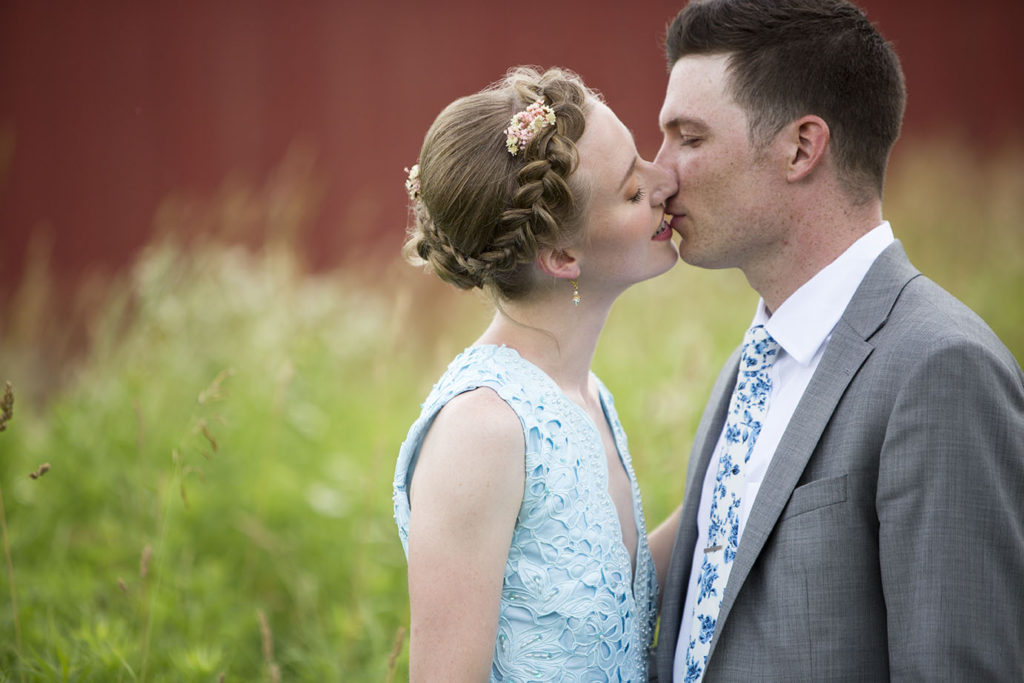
{"x":568,"y":611}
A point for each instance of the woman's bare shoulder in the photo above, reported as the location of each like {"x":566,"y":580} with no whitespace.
{"x":476,"y":442}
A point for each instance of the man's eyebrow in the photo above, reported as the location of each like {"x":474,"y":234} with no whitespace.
{"x":685,"y":122}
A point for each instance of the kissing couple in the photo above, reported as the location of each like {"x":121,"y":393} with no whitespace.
{"x":853,"y":504}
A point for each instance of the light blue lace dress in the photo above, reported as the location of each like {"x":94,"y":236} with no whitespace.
{"x":568,"y":609}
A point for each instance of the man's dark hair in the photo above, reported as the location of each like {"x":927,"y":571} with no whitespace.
{"x":789,"y":58}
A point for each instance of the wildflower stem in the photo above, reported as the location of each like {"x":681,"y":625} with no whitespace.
{"x":395,"y":652}
{"x":10,"y":582}
{"x":153,"y":592}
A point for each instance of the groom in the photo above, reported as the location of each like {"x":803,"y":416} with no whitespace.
{"x":854,"y":505}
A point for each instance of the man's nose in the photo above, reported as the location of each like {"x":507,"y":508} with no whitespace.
{"x":664,"y":183}
{"x":661,"y":159}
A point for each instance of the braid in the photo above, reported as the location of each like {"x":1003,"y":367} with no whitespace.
{"x":432,"y":246}
{"x":543,"y":208}
{"x":485,"y":218}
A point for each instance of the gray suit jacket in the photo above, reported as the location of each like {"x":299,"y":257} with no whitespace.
{"x":887,"y":539}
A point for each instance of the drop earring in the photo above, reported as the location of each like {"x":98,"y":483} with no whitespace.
{"x":575,"y":292}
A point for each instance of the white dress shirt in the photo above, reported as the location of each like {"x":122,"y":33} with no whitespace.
{"x":802,"y":326}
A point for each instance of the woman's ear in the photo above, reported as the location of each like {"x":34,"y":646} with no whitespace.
{"x":558,"y":263}
{"x":809,"y":138}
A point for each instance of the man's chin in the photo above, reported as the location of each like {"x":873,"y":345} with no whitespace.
{"x":697,"y":258}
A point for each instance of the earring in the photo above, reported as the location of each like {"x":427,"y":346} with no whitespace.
{"x":575,"y":292}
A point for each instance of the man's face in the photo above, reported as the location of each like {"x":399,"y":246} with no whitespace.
{"x":727,"y":208}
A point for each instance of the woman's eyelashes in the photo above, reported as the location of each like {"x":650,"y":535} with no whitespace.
{"x":638,"y":197}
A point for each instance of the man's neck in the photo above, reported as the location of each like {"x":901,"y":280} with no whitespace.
{"x":812,"y":245}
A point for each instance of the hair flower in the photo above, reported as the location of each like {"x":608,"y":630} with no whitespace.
{"x":412,"y":183}
{"x":526,"y":124}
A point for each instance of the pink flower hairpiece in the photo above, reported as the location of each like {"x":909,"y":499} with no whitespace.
{"x":526,"y":124}
{"x":412,"y":183}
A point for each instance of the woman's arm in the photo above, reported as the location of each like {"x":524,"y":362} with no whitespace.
{"x":465,"y":497}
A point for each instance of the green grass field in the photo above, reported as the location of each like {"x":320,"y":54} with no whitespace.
{"x":218,"y":503}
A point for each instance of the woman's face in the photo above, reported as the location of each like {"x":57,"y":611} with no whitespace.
{"x":625,"y":237}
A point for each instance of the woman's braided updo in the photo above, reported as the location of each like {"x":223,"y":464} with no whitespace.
{"x":482,"y":213}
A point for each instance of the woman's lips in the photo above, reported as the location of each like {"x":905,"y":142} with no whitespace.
{"x":664,"y":230}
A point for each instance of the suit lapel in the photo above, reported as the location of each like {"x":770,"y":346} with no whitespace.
{"x":846,"y":352}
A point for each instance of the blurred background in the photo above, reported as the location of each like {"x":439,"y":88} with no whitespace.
{"x":213,"y":344}
{"x":110,"y":110}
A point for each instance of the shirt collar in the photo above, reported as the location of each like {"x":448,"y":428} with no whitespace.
{"x":804,"y":321}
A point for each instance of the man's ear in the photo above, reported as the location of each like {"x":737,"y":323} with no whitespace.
{"x":559,"y":263}
{"x":809,"y":137}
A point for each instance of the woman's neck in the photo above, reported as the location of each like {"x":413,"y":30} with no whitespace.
{"x":554,"y":335}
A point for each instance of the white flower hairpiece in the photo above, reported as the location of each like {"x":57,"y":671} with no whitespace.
{"x":412,"y":183}
{"x":526,"y":124}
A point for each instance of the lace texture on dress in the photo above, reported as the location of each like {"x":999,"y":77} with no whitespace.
{"x":568,"y":610}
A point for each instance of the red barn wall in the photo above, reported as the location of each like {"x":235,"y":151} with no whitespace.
{"x":108,"y":107}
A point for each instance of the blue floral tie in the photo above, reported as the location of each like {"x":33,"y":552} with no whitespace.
{"x":743,"y":424}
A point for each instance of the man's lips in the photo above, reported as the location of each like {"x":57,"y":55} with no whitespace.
{"x":675,"y":220}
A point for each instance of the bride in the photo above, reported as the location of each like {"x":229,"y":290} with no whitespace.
{"x":514,"y":492}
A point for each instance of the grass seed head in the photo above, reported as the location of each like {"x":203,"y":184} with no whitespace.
{"x":209,"y":437}
{"x":213,"y":392}
{"x":6,"y":406}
